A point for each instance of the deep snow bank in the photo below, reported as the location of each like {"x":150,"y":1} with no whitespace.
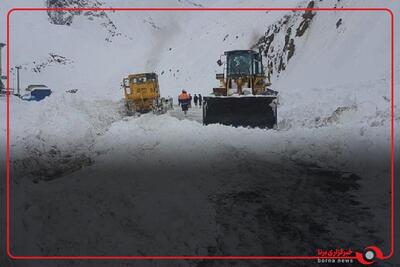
{"x":336,"y":78}
{"x":334,"y":117}
{"x":56,"y":135}
{"x":334,"y":92}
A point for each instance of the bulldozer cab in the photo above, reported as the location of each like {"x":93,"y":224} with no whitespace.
{"x":141,"y":91}
{"x":138,"y":86}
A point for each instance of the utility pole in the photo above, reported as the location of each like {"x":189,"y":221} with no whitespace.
{"x":1,"y":70}
{"x":18,"y":68}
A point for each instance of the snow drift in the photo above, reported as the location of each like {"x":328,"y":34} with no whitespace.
{"x":334,"y":116}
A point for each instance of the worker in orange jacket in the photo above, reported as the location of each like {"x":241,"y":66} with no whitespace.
{"x":184,"y":101}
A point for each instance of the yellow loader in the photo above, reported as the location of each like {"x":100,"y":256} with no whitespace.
{"x":243,"y":98}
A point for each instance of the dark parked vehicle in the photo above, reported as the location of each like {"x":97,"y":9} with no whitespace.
{"x":37,"y":94}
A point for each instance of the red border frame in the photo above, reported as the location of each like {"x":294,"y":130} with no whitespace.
{"x":8,"y":249}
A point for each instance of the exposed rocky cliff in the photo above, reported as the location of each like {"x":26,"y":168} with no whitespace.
{"x":66,"y":17}
{"x":278,"y":44}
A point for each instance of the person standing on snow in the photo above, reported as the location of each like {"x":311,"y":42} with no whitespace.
{"x":200,"y":100}
{"x":195,"y":99}
{"x":184,"y":101}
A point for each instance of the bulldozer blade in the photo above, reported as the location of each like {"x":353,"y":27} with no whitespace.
{"x":246,"y":111}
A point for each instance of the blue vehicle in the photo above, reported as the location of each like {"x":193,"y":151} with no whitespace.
{"x":37,"y":94}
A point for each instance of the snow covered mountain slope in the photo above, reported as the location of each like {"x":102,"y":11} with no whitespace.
{"x":181,"y":54}
{"x":185,"y":59}
{"x":319,"y":180}
{"x":184,"y":54}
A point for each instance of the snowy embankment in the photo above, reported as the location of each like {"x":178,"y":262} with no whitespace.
{"x":154,"y":181}
{"x":144,"y":185}
{"x":331,"y":83}
{"x":56,"y":135}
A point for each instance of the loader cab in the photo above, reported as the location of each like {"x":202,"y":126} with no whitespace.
{"x":243,"y":74}
{"x":241,"y":63}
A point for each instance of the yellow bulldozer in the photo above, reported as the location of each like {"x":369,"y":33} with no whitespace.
{"x":243,"y":97}
{"x":142,"y":94}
